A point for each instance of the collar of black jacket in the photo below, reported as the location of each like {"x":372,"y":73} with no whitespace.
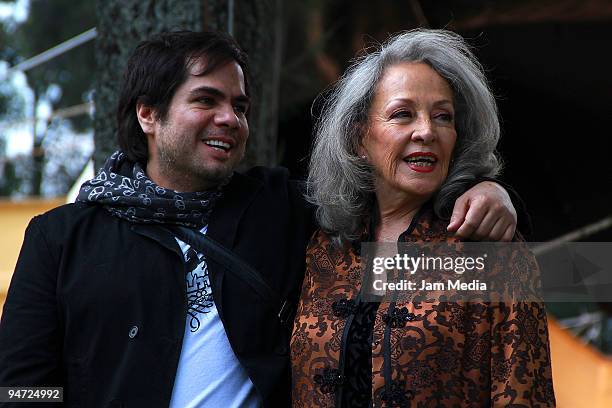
{"x":236,"y":198}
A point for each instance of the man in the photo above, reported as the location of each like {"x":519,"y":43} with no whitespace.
{"x":108,"y":303}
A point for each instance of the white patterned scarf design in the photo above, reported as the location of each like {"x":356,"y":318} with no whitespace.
{"x":124,"y":189}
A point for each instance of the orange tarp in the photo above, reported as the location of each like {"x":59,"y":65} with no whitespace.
{"x":582,"y":376}
{"x":14,"y":218}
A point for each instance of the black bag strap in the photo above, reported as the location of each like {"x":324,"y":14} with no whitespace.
{"x":220,"y":254}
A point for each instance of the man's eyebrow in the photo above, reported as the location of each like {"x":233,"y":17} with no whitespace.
{"x":209,"y":90}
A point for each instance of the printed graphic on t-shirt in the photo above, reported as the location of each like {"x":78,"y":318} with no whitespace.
{"x":199,"y":293}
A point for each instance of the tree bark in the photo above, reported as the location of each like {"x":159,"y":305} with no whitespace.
{"x":38,"y":153}
{"x":255,"y":24}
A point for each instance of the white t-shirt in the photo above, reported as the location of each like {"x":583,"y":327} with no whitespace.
{"x":208,"y":374}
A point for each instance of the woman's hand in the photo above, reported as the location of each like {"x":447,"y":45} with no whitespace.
{"x":485,"y":213}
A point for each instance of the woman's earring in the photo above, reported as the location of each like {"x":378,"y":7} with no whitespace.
{"x":364,"y":157}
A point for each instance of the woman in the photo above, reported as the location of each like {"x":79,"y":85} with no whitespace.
{"x":404,"y":131}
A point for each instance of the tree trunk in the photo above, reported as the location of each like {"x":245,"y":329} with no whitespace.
{"x":122,"y":24}
{"x":38,"y":153}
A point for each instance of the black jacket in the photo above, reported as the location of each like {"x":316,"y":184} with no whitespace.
{"x":97,"y":304}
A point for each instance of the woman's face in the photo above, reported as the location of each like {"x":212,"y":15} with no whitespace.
{"x":411,"y":133}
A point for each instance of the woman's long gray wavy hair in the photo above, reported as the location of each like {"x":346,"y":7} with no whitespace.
{"x":340,"y":183}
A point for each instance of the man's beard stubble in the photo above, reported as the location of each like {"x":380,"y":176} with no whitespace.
{"x":198,"y":176}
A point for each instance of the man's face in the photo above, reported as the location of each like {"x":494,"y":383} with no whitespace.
{"x":203,"y":137}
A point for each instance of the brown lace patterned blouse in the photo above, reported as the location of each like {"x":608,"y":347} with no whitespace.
{"x":423,"y":354}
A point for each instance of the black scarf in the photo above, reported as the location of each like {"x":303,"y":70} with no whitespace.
{"x":124,"y":189}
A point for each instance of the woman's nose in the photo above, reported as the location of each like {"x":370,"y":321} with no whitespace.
{"x":424,"y":131}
